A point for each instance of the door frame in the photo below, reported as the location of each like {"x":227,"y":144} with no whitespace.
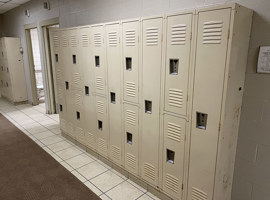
{"x":27,"y":28}
{"x":50,"y":93}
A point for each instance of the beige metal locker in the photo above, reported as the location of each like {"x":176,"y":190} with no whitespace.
{"x":98,"y":59}
{"x":221,"y":54}
{"x":151,"y":66}
{"x":131,"y":131}
{"x":131,"y":64}
{"x":173,"y":155}
{"x":12,"y":70}
{"x":178,"y":57}
{"x":102,"y":125}
{"x":114,"y":63}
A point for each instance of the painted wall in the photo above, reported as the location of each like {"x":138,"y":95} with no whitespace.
{"x":252,"y":169}
{"x":1,"y":26}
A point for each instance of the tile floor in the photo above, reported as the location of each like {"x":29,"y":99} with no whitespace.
{"x":44,"y":130}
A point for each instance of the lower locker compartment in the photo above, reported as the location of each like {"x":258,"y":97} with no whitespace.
{"x":131,"y":139}
{"x":173,"y":155}
{"x":102,"y":126}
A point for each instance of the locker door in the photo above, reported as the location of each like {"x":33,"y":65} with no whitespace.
{"x":177,"y":63}
{"x":210,"y":65}
{"x":113,"y":34}
{"x":131,"y":113}
{"x":64,"y":55}
{"x":75,"y":58}
{"x":152,"y":61}
{"x":173,"y":155}
{"x":131,"y":61}
{"x":98,"y":59}
{"x":102,"y":125}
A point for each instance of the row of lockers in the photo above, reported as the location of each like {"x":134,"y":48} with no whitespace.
{"x":149,"y":95}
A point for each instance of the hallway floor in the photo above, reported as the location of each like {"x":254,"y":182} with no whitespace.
{"x":44,"y":130}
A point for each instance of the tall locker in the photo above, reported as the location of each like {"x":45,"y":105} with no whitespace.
{"x":102,"y":125}
{"x":114,"y":63}
{"x":221,"y":54}
{"x":131,"y":30}
{"x":177,"y":65}
{"x":98,"y":58}
{"x":131,"y":131}
{"x":151,"y":66}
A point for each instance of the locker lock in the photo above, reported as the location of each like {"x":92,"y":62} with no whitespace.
{"x":201,"y":120}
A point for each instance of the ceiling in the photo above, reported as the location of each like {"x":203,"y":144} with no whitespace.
{"x":6,"y":5}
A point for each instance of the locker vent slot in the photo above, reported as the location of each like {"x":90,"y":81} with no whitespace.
{"x":100,"y":107}
{"x":100,"y":125}
{"x":7,"y":69}
{"x":130,"y":37}
{"x":90,"y":139}
{"x":61,"y":108}
{"x":112,"y":94}
{"x":115,"y":152}
{"x":198,"y":194}
{"x":148,"y":107}
{"x":131,"y":89}
{"x":174,"y":66}
{"x":56,"y":42}
{"x":78,"y":100}
{"x":2,"y":68}
{"x":129,"y":138}
{"x":170,"y":156}
{"x":67,"y":85}
{"x":97,"y":39}
{"x":74,"y":42}
{"x":178,"y":34}
{"x":60,"y":93}
{"x":77,"y":80}
{"x":7,"y":84}
{"x":56,"y":57}
{"x":201,"y":120}
{"x":128,"y":63}
{"x":86,"y":90}
{"x":58,"y":75}
{"x":176,"y":98}
{"x":64,"y":41}
{"x":102,"y":146}
{"x":131,"y":117}
{"x":78,"y":114}
{"x":172,"y":183}
{"x":74,"y":59}
{"x":152,"y":36}
{"x":212,"y":32}
{"x":174,"y":132}
{"x":97,"y":63}
{"x":113,"y":40}
{"x":131,"y":161}
{"x":85,"y":40}
{"x":99,"y":83}
{"x":149,"y":171}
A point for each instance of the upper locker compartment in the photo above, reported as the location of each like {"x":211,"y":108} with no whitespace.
{"x":151,"y":66}
{"x":131,"y":60}
{"x":178,"y":30}
{"x":113,"y":34}
{"x":75,"y":59}
{"x":98,"y":60}
{"x":211,"y":54}
{"x":56,"y":56}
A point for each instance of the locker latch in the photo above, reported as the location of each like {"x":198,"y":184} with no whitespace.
{"x":148,"y":107}
{"x":128,"y":63}
{"x":112,"y":97}
{"x":67,"y":85}
{"x":61,"y":108}
{"x":56,"y":57}
{"x":78,"y":115}
{"x":74,"y":59}
{"x":201,"y":120}
{"x":170,"y":156}
{"x":174,"y":66}
{"x":86,"y":90}
{"x":100,"y":125}
{"x":129,"y":138}
{"x":97,"y":61}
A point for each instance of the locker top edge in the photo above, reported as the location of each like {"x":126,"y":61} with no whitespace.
{"x":233,"y":6}
{"x":184,"y":12}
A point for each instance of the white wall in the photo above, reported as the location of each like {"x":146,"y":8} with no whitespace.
{"x":252,"y":169}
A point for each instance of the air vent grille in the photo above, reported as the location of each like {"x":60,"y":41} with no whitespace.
{"x":198,"y":194}
{"x":100,"y":107}
{"x":178,"y":34}
{"x":150,"y":171}
{"x":97,"y":39}
{"x":78,"y":99}
{"x":85,"y":40}
{"x":115,"y":152}
{"x":152,"y":36}
{"x":99,"y":83}
{"x":174,"y":132}
{"x":56,"y":42}
{"x":113,"y":39}
{"x":130,"y":37}
{"x":131,"y":117}
{"x":212,"y":32}
{"x":176,"y":98}
{"x":64,"y":41}
{"x":131,"y":161}
{"x":172,"y":183}
{"x":102,"y":146}
{"x":131,"y":89}
{"x":74,"y":41}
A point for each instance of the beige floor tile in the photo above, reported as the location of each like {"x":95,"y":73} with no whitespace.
{"x":67,"y":166}
{"x":79,"y":176}
{"x":79,"y":161}
{"x":57,"y":158}
{"x":145,"y":197}
{"x":152,"y":196}
{"x":93,"y":188}
{"x":68,"y":153}
{"x":43,"y":135}
{"x":137,"y":186}
{"x":51,"y":140}
{"x":124,"y":191}
{"x":104,"y":197}
{"x":36,"y":129}
{"x":59,"y":146}
{"x":91,"y":170}
{"x":106,"y":181}
{"x":56,"y":130}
